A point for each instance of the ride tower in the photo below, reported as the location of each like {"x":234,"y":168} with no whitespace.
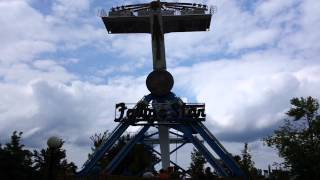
{"x":161,"y":109}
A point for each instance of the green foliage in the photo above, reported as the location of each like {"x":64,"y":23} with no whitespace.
{"x":246,"y":163}
{"x":15,"y":160}
{"x":136,"y":161}
{"x":298,"y":139}
{"x":97,"y":140}
{"x":52,"y":163}
{"x":197,"y":164}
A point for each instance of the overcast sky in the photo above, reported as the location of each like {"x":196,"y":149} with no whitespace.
{"x":61,"y":73}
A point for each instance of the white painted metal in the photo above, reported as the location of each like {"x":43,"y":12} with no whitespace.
{"x":164,"y":146}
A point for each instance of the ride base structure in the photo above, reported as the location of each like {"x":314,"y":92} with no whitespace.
{"x":161,"y":109}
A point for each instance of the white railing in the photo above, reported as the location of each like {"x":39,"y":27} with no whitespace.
{"x":167,"y":12}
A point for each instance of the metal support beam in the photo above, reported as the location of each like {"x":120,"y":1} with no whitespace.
{"x":175,"y":149}
{"x":155,"y":151}
{"x":187,"y":130}
{"x":150,"y":135}
{"x":164,"y":146}
{"x":158,"y":153}
{"x":210,"y":158}
{"x":157,"y":38}
{"x":218,"y":148}
{"x":174,"y":133}
{"x":125,"y":150}
{"x":100,"y":152}
{"x":179,"y":167}
{"x":157,"y":141}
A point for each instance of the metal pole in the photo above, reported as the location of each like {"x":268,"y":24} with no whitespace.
{"x":51,"y":164}
{"x":159,"y":63}
{"x":164,"y":146}
{"x":157,"y":38}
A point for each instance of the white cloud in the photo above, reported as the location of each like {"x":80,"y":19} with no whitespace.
{"x":132,"y":45}
{"x":23,"y":33}
{"x":73,"y":111}
{"x":22,"y":73}
{"x":15,"y":103}
{"x":248,"y":93}
{"x":303,"y":38}
{"x":60,"y":106}
{"x":27,"y":33}
{"x":70,"y":9}
{"x":269,"y":9}
{"x":254,"y":39}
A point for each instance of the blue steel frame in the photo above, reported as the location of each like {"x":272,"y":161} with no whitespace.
{"x":125,"y":150}
{"x":105,"y":147}
{"x":158,"y":153}
{"x":225,"y":166}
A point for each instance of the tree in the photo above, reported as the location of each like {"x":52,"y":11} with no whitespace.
{"x":52,"y":163}
{"x":15,"y":160}
{"x":97,"y":140}
{"x":197,"y":164}
{"x":298,"y":139}
{"x":135,"y":162}
{"x":246,"y":163}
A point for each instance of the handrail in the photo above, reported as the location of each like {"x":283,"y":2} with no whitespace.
{"x":177,"y":8}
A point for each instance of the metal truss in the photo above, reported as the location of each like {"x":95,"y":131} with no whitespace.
{"x":189,"y":130}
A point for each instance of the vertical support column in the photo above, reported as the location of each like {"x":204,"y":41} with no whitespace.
{"x":159,"y":63}
{"x":164,"y":146}
{"x":157,"y":38}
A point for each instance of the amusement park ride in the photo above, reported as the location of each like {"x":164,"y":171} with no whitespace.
{"x":161,"y":109}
